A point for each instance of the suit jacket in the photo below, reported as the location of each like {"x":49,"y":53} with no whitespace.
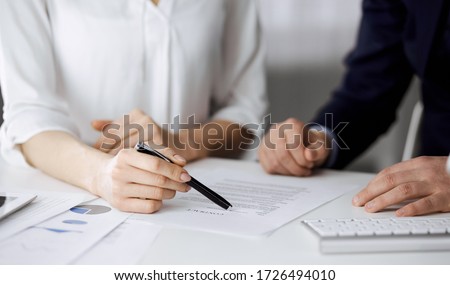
{"x":1,"y":107}
{"x":397,"y":39}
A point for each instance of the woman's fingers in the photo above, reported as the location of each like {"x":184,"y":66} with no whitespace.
{"x":134,"y":205}
{"x":127,"y":142}
{"x":99,"y":125}
{"x":173,"y":156}
{"x":115,"y":134}
{"x":153,"y":164}
{"x":147,"y":192}
{"x":142,"y":130}
{"x":109,"y":134}
{"x":140,"y":182}
{"x":142,"y":177}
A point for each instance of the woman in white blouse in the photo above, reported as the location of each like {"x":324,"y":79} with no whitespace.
{"x":67,"y":65}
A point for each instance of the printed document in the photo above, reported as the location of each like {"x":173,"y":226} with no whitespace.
{"x":62,"y":239}
{"x":261,"y":203}
{"x":45,"y":206}
{"x":126,"y":245}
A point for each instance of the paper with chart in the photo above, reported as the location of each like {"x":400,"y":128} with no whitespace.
{"x":62,"y":239}
{"x":261,"y":203}
{"x":45,"y":206}
{"x":126,"y":245}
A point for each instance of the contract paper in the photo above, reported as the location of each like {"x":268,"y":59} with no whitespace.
{"x":126,"y":245}
{"x":62,"y":239}
{"x":261,"y":203}
{"x":45,"y":206}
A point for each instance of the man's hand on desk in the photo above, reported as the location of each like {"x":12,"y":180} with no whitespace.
{"x":291,"y":148}
{"x":424,"y":179}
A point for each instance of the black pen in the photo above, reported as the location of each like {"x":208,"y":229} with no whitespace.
{"x":194,"y":183}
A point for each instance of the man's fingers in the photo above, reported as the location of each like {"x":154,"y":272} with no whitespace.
{"x":316,"y":153}
{"x":426,"y":205}
{"x":408,"y":165}
{"x":288,"y":165}
{"x":384,"y":183}
{"x":292,"y":131}
{"x":401,"y":193}
{"x":271,"y":163}
{"x":316,"y":148}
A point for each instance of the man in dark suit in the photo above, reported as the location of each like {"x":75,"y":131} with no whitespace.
{"x":1,"y":107}
{"x":397,"y":40}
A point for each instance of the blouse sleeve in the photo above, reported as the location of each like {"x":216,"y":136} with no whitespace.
{"x":28,"y":78}
{"x":242,"y":95}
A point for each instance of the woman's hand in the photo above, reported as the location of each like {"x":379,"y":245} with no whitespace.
{"x":423,"y":179}
{"x":137,"y":182}
{"x":127,"y":131}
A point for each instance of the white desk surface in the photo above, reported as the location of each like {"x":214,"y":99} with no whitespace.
{"x":291,"y":244}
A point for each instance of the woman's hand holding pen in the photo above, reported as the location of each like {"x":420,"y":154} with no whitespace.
{"x":132,"y":181}
{"x":135,"y":182}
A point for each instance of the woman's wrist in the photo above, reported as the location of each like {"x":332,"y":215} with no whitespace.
{"x":96,"y":179}
{"x":217,"y":138}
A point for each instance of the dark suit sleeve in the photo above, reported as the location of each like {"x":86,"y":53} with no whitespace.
{"x":378,"y":75}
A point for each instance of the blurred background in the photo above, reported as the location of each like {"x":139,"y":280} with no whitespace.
{"x":306,"y":43}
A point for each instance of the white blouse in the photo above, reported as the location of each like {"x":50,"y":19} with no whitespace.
{"x":64,"y":63}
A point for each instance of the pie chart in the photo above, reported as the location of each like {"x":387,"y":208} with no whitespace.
{"x":74,"y":222}
{"x":90,"y":209}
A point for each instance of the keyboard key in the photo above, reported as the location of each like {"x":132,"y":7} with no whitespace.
{"x":346,"y":234}
{"x":419,"y":231}
{"x":401,"y":232}
{"x":383,"y":232}
{"x":365,"y":233}
{"x":438,"y":231}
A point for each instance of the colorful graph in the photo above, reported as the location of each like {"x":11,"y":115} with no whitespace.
{"x":74,"y":222}
{"x":90,"y":209}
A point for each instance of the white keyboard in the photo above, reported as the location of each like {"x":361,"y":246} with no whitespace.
{"x":382,"y":235}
